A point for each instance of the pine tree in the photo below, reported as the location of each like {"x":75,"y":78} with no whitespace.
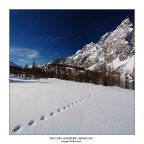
{"x":33,"y":65}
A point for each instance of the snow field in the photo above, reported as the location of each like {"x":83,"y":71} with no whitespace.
{"x":62,"y":107}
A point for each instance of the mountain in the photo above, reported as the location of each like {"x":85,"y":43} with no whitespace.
{"x":113,"y":55}
{"x":13,"y":64}
{"x":115,"y":48}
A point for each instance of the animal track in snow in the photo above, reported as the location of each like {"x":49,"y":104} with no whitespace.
{"x":17,"y":128}
{"x":58,"y":110}
{"x":42,"y":117}
{"x":31,"y":122}
{"x":71,"y":105}
{"x":75,"y":102}
{"x":52,"y":113}
{"x":64,"y":107}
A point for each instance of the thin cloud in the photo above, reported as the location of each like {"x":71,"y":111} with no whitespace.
{"x":24,"y":53}
{"x":53,"y":40}
{"x":63,"y":36}
{"x":33,"y":55}
{"x":76,"y":32}
{"x":24,"y":60}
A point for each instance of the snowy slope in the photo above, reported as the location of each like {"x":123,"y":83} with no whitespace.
{"x":63,"y":107}
{"x":21,"y":80}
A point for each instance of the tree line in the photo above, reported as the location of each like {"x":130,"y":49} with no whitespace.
{"x":101,"y":76}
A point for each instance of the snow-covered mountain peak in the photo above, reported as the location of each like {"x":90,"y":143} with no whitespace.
{"x":116,"y":48}
{"x":125,"y":23}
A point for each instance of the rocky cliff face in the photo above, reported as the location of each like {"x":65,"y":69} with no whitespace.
{"x":115,"y":48}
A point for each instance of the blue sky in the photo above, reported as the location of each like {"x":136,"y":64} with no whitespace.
{"x":43,"y":35}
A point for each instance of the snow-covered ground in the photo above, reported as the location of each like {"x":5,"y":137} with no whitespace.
{"x":56,"y":106}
